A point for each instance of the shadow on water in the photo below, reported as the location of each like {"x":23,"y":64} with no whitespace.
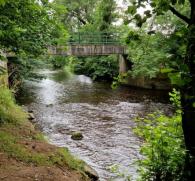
{"x":63,"y":103}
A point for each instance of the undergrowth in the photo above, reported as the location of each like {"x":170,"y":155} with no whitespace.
{"x":163,"y":149}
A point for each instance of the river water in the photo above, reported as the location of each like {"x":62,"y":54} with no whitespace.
{"x":64,"y":103}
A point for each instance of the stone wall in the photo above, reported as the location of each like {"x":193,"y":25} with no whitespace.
{"x":159,"y":83}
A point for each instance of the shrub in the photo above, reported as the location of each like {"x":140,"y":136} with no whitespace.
{"x":163,"y":149}
{"x":98,"y":68}
{"x":58,"y":61}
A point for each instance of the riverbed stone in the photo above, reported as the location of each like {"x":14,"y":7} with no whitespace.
{"x":77,"y":135}
{"x":91,"y":173}
{"x":49,"y":105}
{"x":31,"y":116}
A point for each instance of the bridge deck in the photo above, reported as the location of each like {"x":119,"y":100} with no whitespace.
{"x":87,"y":50}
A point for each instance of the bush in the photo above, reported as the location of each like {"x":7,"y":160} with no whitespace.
{"x":164,"y":150}
{"x":98,"y":68}
{"x":58,"y":61}
{"x":22,"y":68}
{"x":9,"y":111}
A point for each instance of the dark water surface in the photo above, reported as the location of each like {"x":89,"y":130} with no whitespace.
{"x":63,"y":104}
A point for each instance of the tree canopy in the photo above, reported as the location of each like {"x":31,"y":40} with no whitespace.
{"x":27,"y":26}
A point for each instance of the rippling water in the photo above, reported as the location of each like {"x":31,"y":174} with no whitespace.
{"x":63,"y":104}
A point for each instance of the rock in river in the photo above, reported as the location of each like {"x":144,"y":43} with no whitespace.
{"x":31,"y":116}
{"x":77,"y":136}
{"x":91,"y":173}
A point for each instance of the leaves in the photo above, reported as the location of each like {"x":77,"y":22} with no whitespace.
{"x":27,"y":26}
{"x":2,"y":2}
{"x":131,"y":9}
{"x":99,"y":68}
{"x":163,"y":150}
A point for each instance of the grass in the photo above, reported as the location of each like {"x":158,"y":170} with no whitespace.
{"x":9,"y":111}
{"x":11,"y":144}
{"x":39,"y":137}
{"x":15,"y":150}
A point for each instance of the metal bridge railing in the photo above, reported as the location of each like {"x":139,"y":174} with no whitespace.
{"x":94,"y":38}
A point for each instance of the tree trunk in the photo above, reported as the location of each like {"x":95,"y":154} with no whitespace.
{"x":188,"y":95}
{"x":188,"y":92}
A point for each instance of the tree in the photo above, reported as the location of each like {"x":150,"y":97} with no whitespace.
{"x":78,"y":12}
{"x":106,"y":15}
{"x":187,"y":73}
{"x":27,"y":26}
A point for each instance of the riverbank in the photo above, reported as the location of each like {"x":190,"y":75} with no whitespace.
{"x":26,"y":155}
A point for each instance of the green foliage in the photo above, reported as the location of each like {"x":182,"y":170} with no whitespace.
{"x":65,"y":63}
{"x":88,"y":16}
{"x":158,"y":7}
{"x":27,"y":27}
{"x":78,"y":12}
{"x":148,"y":53}
{"x":175,"y":99}
{"x":99,"y":68}
{"x":160,"y":50}
{"x":39,"y":137}
{"x":58,"y":61}
{"x":66,"y":158}
{"x":9,"y":111}
{"x":121,"y":78}
{"x":115,"y":169}
{"x":21,"y":68}
{"x":164,"y":150}
{"x":106,"y":15}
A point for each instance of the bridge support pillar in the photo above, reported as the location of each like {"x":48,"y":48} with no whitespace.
{"x":124,"y":64}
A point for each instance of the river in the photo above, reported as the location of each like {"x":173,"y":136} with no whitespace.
{"x":64,"y":103}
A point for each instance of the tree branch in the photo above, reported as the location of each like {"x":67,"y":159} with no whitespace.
{"x":178,"y":14}
{"x":78,"y":16}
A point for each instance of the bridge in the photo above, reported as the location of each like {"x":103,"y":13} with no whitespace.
{"x":94,"y":44}
{"x":90,"y":44}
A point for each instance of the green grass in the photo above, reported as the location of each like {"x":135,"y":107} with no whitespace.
{"x":10,"y":112}
{"x":10,"y":145}
{"x":39,"y":137}
{"x":15,"y":150}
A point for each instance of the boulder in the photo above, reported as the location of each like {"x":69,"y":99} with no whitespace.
{"x":49,"y":105}
{"x":77,"y":136}
{"x":31,"y":116}
{"x":91,"y":173}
